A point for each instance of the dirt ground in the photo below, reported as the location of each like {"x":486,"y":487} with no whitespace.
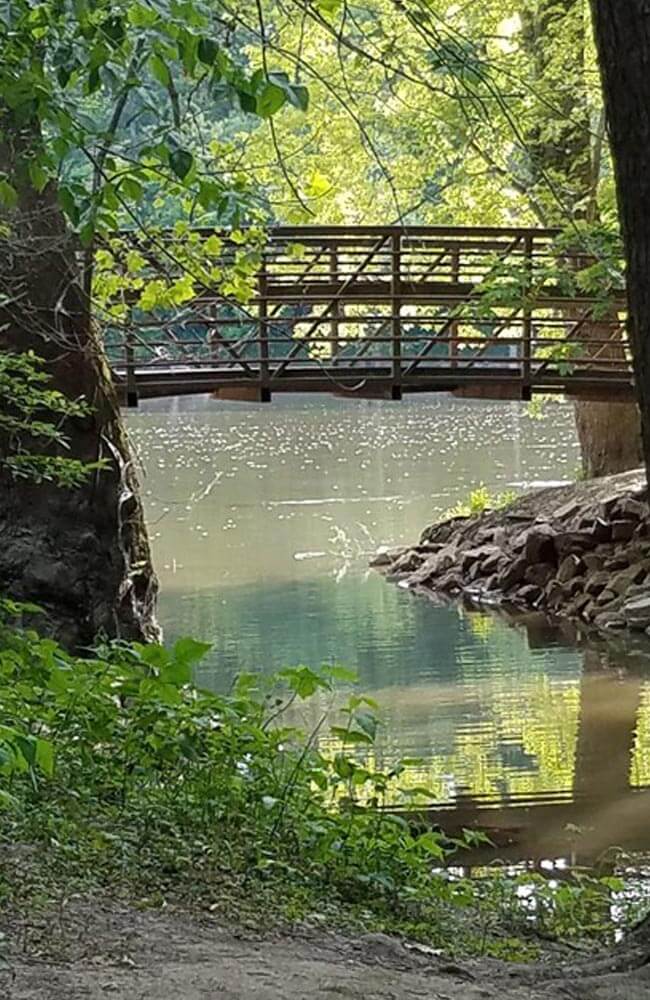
{"x":110,"y":952}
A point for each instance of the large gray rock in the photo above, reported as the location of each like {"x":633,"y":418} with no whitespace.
{"x":385,"y":556}
{"x":596,"y":582}
{"x":539,"y":574}
{"x":567,"y":542}
{"x":623,"y":530}
{"x":621,"y":582}
{"x":512,"y":574}
{"x":637,"y":612}
{"x":570,"y":567}
{"x":539,"y":544}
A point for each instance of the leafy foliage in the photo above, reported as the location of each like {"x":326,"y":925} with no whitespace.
{"x":480,"y":500}
{"x":118,"y":91}
{"x":32,"y":424}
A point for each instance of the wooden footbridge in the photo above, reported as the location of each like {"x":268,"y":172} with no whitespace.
{"x":374,"y":311}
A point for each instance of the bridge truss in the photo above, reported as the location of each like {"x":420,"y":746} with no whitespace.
{"x":375,"y":311}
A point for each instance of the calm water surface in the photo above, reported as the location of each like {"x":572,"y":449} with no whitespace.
{"x":264,"y":518}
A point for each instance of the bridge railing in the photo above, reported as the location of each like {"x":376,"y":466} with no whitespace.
{"x":368,"y":306}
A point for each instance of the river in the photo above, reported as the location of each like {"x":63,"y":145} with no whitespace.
{"x":263,"y":520}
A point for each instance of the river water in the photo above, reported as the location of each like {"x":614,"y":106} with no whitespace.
{"x":263,"y":520}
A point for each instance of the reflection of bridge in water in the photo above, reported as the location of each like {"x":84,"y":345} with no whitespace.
{"x":605,"y":807}
{"x":381,"y":311}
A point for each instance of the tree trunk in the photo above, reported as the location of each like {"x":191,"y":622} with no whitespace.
{"x":623,"y":39}
{"x":609,"y":437}
{"x":609,"y":433}
{"x":565,"y":178}
{"x":81,"y":554}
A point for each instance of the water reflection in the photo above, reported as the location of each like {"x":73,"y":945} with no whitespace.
{"x":264,"y":518}
{"x":605,"y":800}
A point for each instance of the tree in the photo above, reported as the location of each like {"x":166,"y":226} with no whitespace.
{"x":622,"y":32}
{"x":565,"y":156}
{"x":99,"y":102}
{"x":478,"y":115}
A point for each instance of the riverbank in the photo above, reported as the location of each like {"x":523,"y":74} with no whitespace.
{"x":96,"y":949}
{"x":579,"y":552}
{"x":161,"y":841}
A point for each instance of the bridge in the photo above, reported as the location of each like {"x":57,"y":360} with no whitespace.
{"x":375,"y":312}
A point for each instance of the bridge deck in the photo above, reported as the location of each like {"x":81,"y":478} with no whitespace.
{"x":376,"y":311}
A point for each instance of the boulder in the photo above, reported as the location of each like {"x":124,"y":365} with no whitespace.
{"x":539,"y":544}
{"x":609,"y":620}
{"x":621,"y":582}
{"x":478,"y":555}
{"x":637,"y":612}
{"x":593,"y":563}
{"x":567,"y":511}
{"x":512,"y":574}
{"x":443,"y":530}
{"x":600,"y":530}
{"x":567,"y":542}
{"x":493,"y":562}
{"x":596,"y":582}
{"x":449,"y":583}
{"x":631,"y":509}
{"x":539,"y":574}
{"x":555,"y":595}
{"x":407,"y":562}
{"x":607,"y":506}
{"x":385,"y":556}
{"x":529,"y":594}
{"x":441,"y":561}
{"x":570,"y":567}
{"x":623,"y":530}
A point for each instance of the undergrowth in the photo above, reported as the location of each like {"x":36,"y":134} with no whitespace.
{"x":119,"y":776}
{"x":480,"y":500}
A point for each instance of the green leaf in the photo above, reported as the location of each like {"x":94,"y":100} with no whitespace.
{"x":141,"y":16}
{"x":94,"y":80}
{"x":188,"y":650}
{"x":87,"y":234}
{"x":181,"y":161}
{"x":350,"y":735}
{"x":207,"y":51}
{"x":344,"y":767}
{"x":367,"y":722}
{"x":160,"y":70}
{"x":68,"y":204}
{"x":342,"y":674}
{"x":270,"y":99}
{"x":304,"y":681}
{"x":38,"y":175}
{"x":8,"y":194}
{"x":45,"y":757}
{"x":295,"y":93}
{"x":247,"y":102}
{"x":132,"y":188}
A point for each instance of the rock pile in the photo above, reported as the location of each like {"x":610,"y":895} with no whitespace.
{"x":581,"y":551}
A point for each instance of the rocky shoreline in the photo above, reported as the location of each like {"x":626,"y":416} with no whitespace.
{"x":580,"y":552}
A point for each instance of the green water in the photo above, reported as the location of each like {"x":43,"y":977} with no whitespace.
{"x":264,"y":518}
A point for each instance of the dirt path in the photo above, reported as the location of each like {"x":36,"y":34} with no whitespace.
{"x":114,"y":953}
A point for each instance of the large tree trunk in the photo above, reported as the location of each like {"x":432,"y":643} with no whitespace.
{"x":609,"y":433}
{"x":81,"y":554}
{"x":609,"y":437}
{"x":565,"y":175}
{"x":622,"y":32}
